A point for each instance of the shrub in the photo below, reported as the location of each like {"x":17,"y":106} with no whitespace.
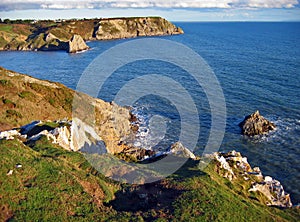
{"x":25,"y":94}
{"x":13,"y":113}
{"x":5,"y":82}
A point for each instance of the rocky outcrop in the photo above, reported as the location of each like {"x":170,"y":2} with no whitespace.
{"x":44,"y":100}
{"x":177,"y":149}
{"x":273,"y":191}
{"x":255,"y":124}
{"x":76,"y":44}
{"x":133,"y":27}
{"x":71,"y":35}
{"x":9,"y":135}
{"x":235,"y":167}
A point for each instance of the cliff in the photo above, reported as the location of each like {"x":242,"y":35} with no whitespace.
{"x":25,"y":99}
{"x":42,"y":177}
{"x":69,"y":35}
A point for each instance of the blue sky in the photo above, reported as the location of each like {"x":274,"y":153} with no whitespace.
{"x":183,"y":10}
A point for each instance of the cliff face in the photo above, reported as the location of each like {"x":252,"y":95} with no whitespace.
{"x":134,"y":27}
{"x":25,"y":99}
{"x":70,"y":35}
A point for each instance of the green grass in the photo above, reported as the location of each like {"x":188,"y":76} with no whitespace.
{"x":26,"y":95}
{"x":8,"y":102}
{"x":6,"y":28}
{"x":47,"y":187}
{"x":57,"y":185}
{"x":5,"y":82}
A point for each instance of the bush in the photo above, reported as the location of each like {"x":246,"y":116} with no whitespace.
{"x":5,"y":82}
{"x":13,"y":113}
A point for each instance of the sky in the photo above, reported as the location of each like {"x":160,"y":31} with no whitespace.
{"x":174,"y":10}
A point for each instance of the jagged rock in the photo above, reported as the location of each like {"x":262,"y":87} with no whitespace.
{"x":177,"y":149}
{"x":138,"y":154}
{"x":9,"y":135}
{"x":224,"y":165}
{"x":76,"y":44}
{"x":62,"y":136}
{"x":273,"y":190}
{"x":85,"y":139}
{"x":50,"y":37}
{"x":255,"y":124}
{"x":233,"y":165}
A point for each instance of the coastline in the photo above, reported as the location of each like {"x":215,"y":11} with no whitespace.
{"x":71,"y":35}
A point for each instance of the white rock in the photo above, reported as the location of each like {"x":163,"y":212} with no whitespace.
{"x":178,"y":149}
{"x":9,"y":135}
{"x":84,"y":136}
{"x":268,"y":179}
{"x":10,"y":172}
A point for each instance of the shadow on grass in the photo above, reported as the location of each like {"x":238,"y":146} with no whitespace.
{"x":158,"y":195}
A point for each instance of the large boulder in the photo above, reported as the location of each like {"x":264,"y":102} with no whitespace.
{"x":255,"y":124}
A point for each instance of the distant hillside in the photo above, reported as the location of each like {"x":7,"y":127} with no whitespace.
{"x":69,"y":35}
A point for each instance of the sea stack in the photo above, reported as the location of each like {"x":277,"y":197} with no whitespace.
{"x":255,"y":124}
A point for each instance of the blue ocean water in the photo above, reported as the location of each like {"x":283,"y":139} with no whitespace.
{"x":257,"y":65}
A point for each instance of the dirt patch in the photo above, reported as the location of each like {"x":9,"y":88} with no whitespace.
{"x":94,"y":190}
{"x":5,"y":213}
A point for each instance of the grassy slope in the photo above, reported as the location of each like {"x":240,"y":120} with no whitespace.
{"x":23,"y":101}
{"x":54,"y":184}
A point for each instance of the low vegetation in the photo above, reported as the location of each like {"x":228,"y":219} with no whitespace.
{"x":50,"y":183}
{"x":41,"y":181}
{"x":24,"y":100}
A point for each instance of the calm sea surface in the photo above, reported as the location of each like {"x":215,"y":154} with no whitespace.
{"x":257,"y":65}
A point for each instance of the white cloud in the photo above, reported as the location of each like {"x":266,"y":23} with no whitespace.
{"x":77,"y":4}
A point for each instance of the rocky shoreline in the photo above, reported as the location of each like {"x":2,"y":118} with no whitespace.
{"x":232,"y":165}
{"x":115,"y":126}
{"x":71,"y":35}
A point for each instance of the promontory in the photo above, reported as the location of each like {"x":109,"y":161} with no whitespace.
{"x":70,"y":35}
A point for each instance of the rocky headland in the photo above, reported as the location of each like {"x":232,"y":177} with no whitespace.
{"x":42,"y":166}
{"x":70,"y":35}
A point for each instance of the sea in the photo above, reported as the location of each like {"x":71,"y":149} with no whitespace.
{"x":257,"y":65}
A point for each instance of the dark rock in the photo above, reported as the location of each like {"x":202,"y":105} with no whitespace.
{"x":255,"y":124}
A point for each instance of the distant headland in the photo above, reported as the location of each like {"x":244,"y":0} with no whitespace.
{"x":70,"y":35}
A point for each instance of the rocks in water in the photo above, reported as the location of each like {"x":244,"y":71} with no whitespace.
{"x":177,"y":149}
{"x":53,"y":43}
{"x":255,"y":124}
{"x":76,"y":44}
{"x":234,"y":166}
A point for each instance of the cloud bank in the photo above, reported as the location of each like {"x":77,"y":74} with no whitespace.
{"x":7,"y":5}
